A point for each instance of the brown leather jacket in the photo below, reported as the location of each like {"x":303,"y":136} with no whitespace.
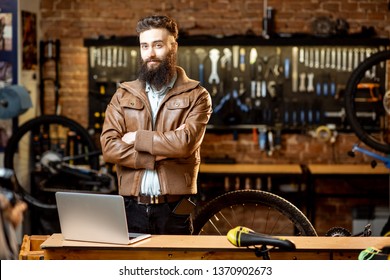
{"x":129,"y":110}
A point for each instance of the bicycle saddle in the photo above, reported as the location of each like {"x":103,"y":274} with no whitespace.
{"x":245,"y":237}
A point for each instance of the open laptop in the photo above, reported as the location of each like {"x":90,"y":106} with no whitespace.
{"x":94,"y":218}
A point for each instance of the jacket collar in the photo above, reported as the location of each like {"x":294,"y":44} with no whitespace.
{"x":183,"y":83}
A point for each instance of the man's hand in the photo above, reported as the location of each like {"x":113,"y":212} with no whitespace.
{"x":181,"y":127}
{"x":13,"y":213}
{"x":129,"y":137}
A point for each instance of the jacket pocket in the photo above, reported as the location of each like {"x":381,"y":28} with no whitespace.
{"x":132,"y":102}
{"x":128,"y":180}
{"x":178,"y":177}
{"x":178,"y":103}
{"x":134,"y":113}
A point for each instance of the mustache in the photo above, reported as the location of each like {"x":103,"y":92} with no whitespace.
{"x":152,"y":60}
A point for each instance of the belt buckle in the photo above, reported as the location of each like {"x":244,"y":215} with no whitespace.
{"x":154,"y":199}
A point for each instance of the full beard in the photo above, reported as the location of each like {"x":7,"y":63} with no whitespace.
{"x":161,"y":75}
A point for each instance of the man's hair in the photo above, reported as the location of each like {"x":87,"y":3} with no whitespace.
{"x":156,"y":21}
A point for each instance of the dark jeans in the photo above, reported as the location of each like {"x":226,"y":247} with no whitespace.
{"x":156,"y":218}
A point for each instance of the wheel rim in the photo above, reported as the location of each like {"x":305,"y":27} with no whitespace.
{"x":23,"y":155}
{"x":377,"y":140}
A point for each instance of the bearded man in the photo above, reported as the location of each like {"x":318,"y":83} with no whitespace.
{"x":152,"y":132}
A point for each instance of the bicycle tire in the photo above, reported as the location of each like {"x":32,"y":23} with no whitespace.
{"x":350,"y":94}
{"x":244,"y":208}
{"x":17,"y":155}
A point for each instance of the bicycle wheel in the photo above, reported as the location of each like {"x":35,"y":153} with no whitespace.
{"x":34,"y":144}
{"x":261,"y":211}
{"x":367,"y":97}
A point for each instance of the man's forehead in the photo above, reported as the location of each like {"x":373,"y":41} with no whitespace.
{"x":155,"y":35}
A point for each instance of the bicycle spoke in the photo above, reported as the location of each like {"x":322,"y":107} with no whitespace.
{"x":253,"y":216}
{"x":269,"y":215}
{"x":214,"y":226}
{"x":272,"y":221}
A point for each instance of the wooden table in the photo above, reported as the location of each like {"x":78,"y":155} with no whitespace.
{"x":212,"y":247}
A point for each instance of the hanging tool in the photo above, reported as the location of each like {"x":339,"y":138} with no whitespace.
{"x":327,"y":58}
{"x":92,"y":57}
{"x":252,"y":62}
{"x":278,"y":68}
{"x":202,"y":54}
{"x":270,"y":138}
{"x":295,"y":69}
{"x":373,"y":89}
{"x":311,"y":58}
{"x":226,"y":68}
{"x":236,"y":56}
{"x":133,"y":63}
{"x":214,"y":57}
{"x":120,"y":57}
{"x":98,"y":56}
{"x":226,"y":59}
{"x":333,"y":58}
{"x":109,"y":56}
{"x":242,"y":59}
{"x":114,"y":57}
{"x":287,"y":68}
{"x":310,"y":82}
{"x":214,"y":78}
{"x":271,"y":88}
{"x":125,"y":58}
{"x":322,"y":58}
{"x":302,"y":82}
{"x":104,"y":56}
{"x":316,"y":58}
{"x":262,"y":138}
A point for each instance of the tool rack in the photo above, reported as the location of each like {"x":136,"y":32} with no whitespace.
{"x":289,"y":84}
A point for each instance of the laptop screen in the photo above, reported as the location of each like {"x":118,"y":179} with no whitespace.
{"x":92,"y":217}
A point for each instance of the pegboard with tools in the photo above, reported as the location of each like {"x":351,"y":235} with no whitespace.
{"x":291,"y":84}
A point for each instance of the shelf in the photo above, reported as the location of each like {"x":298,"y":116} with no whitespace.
{"x":347,"y":169}
{"x":278,"y":40}
{"x":250,"y":169}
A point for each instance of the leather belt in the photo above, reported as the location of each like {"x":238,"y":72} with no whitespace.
{"x":156,"y":199}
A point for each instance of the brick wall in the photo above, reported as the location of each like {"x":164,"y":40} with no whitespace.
{"x":295,"y":148}
{"x":71,"y":21}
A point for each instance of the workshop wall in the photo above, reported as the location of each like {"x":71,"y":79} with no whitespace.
{"x":72,"y":21}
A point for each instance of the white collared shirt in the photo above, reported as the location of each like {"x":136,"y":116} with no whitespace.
{"x":150,"y":184}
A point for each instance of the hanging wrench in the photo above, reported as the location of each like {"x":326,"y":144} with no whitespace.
{"x":226,"y":59}
{"x":202,"y":54}
{"x":214,"y":57}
